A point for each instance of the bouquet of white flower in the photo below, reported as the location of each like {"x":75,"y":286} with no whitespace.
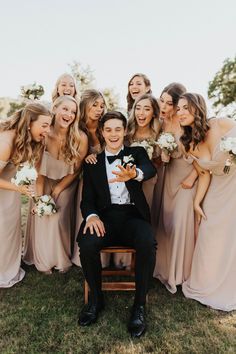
{"x":32,"y":92}
{"x":228,"y":145}
{"x":45,"y":205}
{"x":25,"y":175}
{"x":167,"y":143}
{"x":146,"y":145}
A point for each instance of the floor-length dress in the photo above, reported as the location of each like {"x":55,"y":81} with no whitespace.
{"x":175,"y":222}
{"x":48,"y":238}
{"x":10,"y":231}
{"x":213,"y":275}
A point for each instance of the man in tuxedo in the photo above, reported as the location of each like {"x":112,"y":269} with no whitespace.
{"x":115,"y":213}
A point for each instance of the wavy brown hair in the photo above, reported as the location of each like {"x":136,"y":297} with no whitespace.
{"x":70,"y":150}
{"x":175,"y":90}
{"x":24,"y":147}
{"x":154,"y":124}
{"x":88,"y":98}
{"x":197,"y":133}
{"x":55,"y":90}
{"x":130,"y":100}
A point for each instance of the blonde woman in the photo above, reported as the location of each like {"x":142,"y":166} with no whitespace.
{"x":138,"y":85}
{"x":92,"y":108}
{"x":21,"y":139}
{"x":173,"y":201}
{"x":48,"y":239}
{"x":65,"y":86}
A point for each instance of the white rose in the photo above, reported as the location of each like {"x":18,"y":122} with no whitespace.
{"x":45,"y":198}
{"x":48,"y":209}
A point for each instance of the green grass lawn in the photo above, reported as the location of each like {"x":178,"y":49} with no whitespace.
{"x":39,"y":315}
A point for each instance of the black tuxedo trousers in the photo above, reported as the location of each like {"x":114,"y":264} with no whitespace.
{"x":124,"y":227}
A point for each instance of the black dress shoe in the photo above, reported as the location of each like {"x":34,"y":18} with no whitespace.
{"x":89,"y":314}
{"x":137,"y":324}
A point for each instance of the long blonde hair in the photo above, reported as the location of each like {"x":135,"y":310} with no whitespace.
{"x":55,"y":90}
{"x":24,"y":147}
{"x":154,"y":124}
{"x":71,"y":147}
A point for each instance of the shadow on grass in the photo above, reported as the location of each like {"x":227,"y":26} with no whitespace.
{"x":39,"y":315}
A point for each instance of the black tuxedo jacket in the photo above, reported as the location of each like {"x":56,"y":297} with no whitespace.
{"x":96,"y":193}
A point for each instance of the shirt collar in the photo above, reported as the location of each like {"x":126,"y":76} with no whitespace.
{"x":107,"y":153}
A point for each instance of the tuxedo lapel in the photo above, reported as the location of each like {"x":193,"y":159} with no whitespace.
{"x":102,"y":176}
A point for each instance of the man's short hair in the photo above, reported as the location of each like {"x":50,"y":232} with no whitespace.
{"x":112,"y":115}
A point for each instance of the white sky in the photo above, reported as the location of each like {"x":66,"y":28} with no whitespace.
{"x":168,"y":40}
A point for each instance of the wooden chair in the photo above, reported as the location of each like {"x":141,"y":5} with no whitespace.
{"x":115,"y":285}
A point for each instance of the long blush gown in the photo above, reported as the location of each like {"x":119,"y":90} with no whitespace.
{"x":175,"y":232}
{"x":10,"y":231}
{"x":213,"y":275}
{"x":48,"y":238}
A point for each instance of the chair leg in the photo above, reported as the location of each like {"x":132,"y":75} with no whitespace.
{"x":86,"y":292}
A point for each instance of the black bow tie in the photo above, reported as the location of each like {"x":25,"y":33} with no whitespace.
{"x":112,"y":158}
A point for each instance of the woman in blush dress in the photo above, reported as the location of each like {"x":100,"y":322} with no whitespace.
{"x":65,"y":86}
{"x":138,"y":85}
{"x":143,"y":129}
{"x":92,"y":108}
{"x":48,"y":238}
{"x":173,"y":201}
{"x":21,"y":140}
{"x":212,"y":277}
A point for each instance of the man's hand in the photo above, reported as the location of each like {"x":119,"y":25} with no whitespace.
{"x":95,"y":224}
{"x":125,"y":174}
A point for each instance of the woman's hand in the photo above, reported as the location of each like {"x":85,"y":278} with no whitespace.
{"x":199,"y":213}
{"x":92,"y":159}
{"x":165,"y":157}
{"x":56,"y":192}
{"x":188,"y":182}
{"x":26,"y":190}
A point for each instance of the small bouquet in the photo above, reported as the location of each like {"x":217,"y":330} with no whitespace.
{"x":146,"y":144}
{"x":32,"y":92}
{"x":167,"y":143}
{"x":228,"y":145}
{"x":25,"y":175}
{"x":45,"y":205}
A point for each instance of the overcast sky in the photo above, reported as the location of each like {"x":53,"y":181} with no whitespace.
{"x":185,"y":41}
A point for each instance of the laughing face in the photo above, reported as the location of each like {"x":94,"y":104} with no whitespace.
{"x":66,"y":86}
{"x":65,"y":113}
{"x":137,"y":87}
{"x":143,"y":112}
{"x":166,"y":106}
{"x":40,"y":128}
{"x":113,"y":133}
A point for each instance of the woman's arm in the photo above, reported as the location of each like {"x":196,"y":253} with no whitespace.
{"x":204,"y":179}
{"x":5,"y":154}
{"x":189,"y":181}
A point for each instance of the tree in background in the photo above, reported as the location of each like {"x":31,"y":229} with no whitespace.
{"x":85,"y":80}
{"x":222,"y":89}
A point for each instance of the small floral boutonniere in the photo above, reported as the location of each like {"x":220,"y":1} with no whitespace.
{"x":127,"y":160}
